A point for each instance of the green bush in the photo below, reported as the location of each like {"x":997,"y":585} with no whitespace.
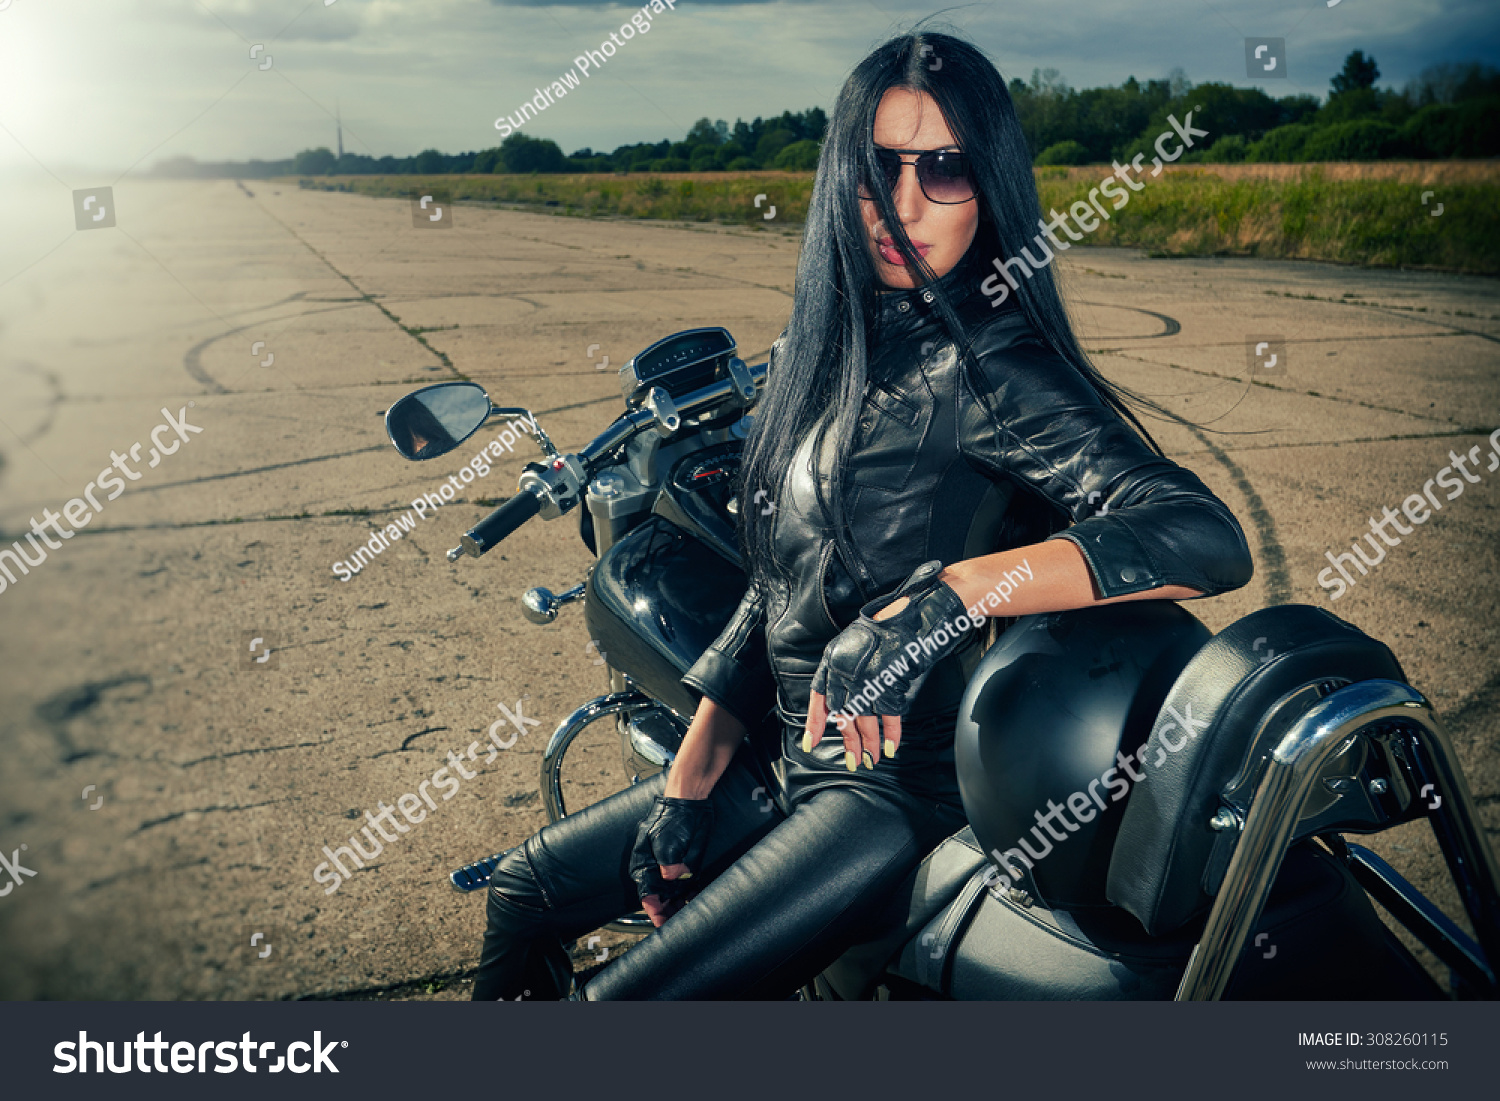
{"x":773,"y":143}
{"x":704,"y":159}
{"x":1350,"y":106}
{"x":741,"y":164}
{"x":728,"y":153}
{"x":1442,"y":130}
{"x":1064,"y":152}
{"x":314,"y":162}
{"x":800,"y":156}
{"x":523,"y":154}
{"x":429,"y":162}
{"x":1230,"y":149}
{"x":671,"y":164}
{"x":1282,"y":144}
{"x":1361,"y":140}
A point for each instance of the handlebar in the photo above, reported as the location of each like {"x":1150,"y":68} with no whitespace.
{"x":743,"y":386}
{"x":498,"y":524}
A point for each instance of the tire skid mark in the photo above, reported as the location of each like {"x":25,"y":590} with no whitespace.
{"x":317,"y":459}
{"x":192,"y":360}
{"x":1171,"y":326}
{"x":1119,"y":354}
{"x":1278,"y":580}
{"x":54,"y":399}
{"x":57,"y":710}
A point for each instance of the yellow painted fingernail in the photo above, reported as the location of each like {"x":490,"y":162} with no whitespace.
{"x":807,"y":741}
{"x":849,"y":761}
{"x":890,"y":748}
{"x":869,"y":761}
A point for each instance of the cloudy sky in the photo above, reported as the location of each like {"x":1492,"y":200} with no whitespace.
{"x":101,"y":86}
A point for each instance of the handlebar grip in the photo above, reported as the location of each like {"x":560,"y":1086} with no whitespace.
{"x":500,"y":523}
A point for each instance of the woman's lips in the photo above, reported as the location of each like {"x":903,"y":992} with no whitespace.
{"x":888,"y":253}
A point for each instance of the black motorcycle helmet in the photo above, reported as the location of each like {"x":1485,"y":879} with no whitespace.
{"x":1047,"y":733}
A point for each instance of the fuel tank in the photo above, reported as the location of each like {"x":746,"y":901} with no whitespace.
{"x":655,"y":601}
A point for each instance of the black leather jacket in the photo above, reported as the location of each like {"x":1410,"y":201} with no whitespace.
{"x":940,"y":471}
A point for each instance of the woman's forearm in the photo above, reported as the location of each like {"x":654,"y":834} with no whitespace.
{"x":1059,"y":580}
{"x":1044,"y":577}
{"x":706,"y":750}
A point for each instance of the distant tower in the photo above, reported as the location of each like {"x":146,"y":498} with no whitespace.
{"x":339,"y":121}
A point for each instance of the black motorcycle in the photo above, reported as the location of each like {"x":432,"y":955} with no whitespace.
{"x":1196,"y":787}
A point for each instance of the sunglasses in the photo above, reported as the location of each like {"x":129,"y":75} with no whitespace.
{"x":943,"y":174}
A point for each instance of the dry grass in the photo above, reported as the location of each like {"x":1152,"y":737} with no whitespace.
{"x":1356,"y":213}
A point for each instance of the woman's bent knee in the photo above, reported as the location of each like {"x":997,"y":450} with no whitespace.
{"x":514,"y":895}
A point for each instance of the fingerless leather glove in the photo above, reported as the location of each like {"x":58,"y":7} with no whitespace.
{"x":875,"y":668}
{"x":675,"y":832}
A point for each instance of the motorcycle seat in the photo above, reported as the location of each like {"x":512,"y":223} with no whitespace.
{"x":1317,"y":938}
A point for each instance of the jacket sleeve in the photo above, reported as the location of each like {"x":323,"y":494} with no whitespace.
{"x":735,"y":672}
{"x":1140,"y":520}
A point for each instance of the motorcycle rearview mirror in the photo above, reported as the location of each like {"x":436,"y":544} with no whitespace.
{"x":434,"y":420}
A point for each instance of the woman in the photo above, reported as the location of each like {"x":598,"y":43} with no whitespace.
{"x":953,"y":439}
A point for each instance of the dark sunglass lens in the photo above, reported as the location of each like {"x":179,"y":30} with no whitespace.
{"x":887,"y":168}
{"x":945,"y":177}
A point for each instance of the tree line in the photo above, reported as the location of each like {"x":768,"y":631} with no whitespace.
{"x":1447,"y":111}
{"x":788,"y":142}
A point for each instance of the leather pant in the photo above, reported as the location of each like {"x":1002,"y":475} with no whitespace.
{"x":781,"y":895}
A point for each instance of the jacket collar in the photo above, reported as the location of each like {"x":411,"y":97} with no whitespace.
{"x":898,"y":311}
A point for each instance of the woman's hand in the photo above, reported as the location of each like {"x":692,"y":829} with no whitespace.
{"x":864,"y":737}
{"x":669,"y":846}
{"x":872,"y":670}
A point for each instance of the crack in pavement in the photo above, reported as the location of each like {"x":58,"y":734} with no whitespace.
{"x":249,"y":752}
{"x":149,"y":870}
{"x":153,"y":822}
{"x":1388,"y":311}
{"x":409,"y":330}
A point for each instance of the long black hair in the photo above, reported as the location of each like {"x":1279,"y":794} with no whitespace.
{"x":820,"y":363}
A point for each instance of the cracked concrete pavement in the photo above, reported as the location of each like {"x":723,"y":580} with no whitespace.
{"x":125,"y":669}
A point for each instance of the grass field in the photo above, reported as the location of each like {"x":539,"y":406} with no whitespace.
{"x":1368,"y":213}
